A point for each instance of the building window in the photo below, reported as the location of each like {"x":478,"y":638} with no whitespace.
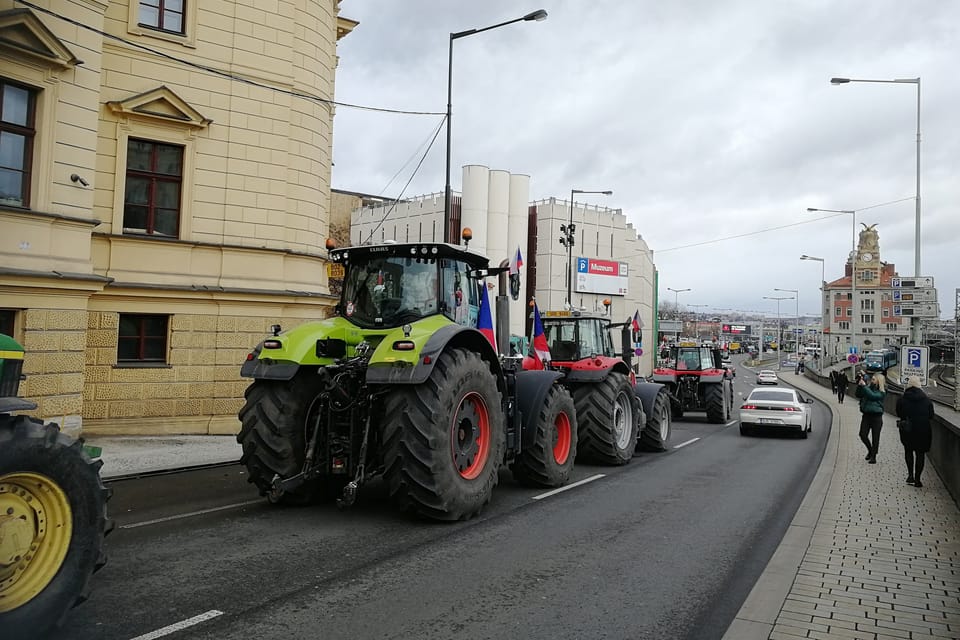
{"x":839,"y":311}
{"x":165,"y":15}
{"x":17,"y":111}
{"x":843,"y":325}
{"x":886,"y":312}
{"x":850,"y":296}
{"x":866,"y":304}
{"x":143,"y":338}
{"x":849,"y":313}
{"x":8,"y":319}
{"x":866,"y":318}
{"x":152,"y":195}
{"x":891,"y":326}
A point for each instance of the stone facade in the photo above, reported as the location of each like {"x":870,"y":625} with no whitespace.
{"x":251,"y":210}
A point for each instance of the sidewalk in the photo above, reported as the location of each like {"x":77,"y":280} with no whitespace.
{"x":867,"y":555}
{"x":131,"y":455}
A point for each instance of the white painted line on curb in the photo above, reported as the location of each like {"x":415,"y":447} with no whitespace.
{"x":179,"y":626}
{"x":683,"y":444}
{"x":569,"y":486}
{"x":730,"y":423}
{"x":188,"y":515}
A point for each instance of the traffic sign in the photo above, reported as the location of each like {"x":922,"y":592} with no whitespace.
{"x":334,"y":270}
{"x":853,"y":359}
{"x":922,"y":282}
{"x":915,"y":362}
{"x":917,"y":310}
{"x":915,"y":295}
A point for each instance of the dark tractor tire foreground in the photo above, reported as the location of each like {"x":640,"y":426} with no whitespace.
{"x":716,"y":403}
{"x":607,"y":420}
{"x":53,"y":520}
{"x":273,"y":435}
{"x":443,"y":440}
{"x":549,"y":462}
{"x":656,"y":433}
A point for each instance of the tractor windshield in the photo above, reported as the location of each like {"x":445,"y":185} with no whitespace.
{"x":574,"y":339}
{"x":390,"y":291}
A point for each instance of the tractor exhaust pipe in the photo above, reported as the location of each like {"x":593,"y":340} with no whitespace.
{"x":503,"y":310}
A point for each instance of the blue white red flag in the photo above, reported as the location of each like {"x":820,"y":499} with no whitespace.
{"x":540,"y":346}
{"x":516,"y":262}
{"x":485,"y":319}
{"x":637,"y":324}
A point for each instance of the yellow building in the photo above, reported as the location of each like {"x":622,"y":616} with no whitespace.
{"x":164,"y":199}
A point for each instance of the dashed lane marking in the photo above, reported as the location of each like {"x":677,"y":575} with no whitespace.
{"x":189,"y":515}
{"x":179,"y":626}
{"x":683,"y":444}
{"x":569,"y":486}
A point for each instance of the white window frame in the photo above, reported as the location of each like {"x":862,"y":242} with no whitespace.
{"x":187,"y":39}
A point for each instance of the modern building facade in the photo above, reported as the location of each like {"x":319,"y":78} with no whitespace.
{"x":164,"y":199}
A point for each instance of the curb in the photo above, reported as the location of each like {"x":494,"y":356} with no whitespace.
{"x":758,"y":614}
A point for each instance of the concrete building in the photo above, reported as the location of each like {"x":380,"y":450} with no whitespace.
{"x":164,"y":199}
{"x":876,"y":326}
{"x":611,"y":261}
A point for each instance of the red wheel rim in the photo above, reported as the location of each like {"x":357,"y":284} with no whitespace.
{"x":470,"y":436}
{"x":564,"y":437}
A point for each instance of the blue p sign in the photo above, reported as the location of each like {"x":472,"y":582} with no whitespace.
{"x":914,"y":357}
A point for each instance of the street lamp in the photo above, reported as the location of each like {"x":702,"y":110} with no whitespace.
{"x":568,"y":239}
{"x":823,"y":294}
{"x":796,"y":293}
{"x":853,"y":270}
{"x":914,"y":322}
{"x":779,"y":330}
{"x":676,"y":306}
{"x":537,"y":15}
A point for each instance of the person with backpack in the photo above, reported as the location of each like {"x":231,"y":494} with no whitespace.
{"x":915,"y":410}
{"x":871,"y":391}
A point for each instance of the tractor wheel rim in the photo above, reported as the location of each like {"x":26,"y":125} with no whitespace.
{"x":470,"y":436}
{"x":622,"y":418}
{"x":664,"y":421}
{"x":36,"y":526}
{"x":563,"y":438}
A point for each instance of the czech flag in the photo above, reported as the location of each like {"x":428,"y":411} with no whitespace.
{"x":515,"y":263}
{"x":485,"y":321}
{"x":540,"y":346}
{"x":636,"y":325}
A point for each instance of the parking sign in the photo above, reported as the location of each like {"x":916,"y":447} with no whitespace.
{"x":914,"y":361}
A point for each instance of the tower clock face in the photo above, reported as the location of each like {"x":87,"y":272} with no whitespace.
{"x":867,"y":257}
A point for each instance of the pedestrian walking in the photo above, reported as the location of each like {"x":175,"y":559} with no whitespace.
{"x":841,"y":385}
{"x":833,"y":382}
{"x":871,"y":391}
{"x":915,"y":410}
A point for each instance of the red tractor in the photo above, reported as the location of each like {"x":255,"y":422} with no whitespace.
{"x":615,"y":411}
{"x":697,"y":381}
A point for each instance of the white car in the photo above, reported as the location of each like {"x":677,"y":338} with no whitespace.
{"x":766,"y":376}
{"x":776,"y":409}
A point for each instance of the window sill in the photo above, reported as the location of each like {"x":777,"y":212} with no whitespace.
{"x":136,"y":364}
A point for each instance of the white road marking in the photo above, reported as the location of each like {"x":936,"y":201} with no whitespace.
{"x":730,"y":423}
{"x":569,"y":486}
{"x":179,"y":626}
{"x":683,"y":444}
{"x":189,"y":515}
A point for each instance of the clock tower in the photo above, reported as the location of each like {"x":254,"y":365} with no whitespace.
{"x":868,"y":254}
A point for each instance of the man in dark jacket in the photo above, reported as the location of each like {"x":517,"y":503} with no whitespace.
{"x":871,"y":391}
{"x":917,"y":409}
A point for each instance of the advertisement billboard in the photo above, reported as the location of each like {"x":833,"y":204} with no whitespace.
{"x":735,"y":329}
{"x":601,"y":276}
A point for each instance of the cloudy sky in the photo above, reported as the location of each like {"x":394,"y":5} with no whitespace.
{"x":707,"y":119}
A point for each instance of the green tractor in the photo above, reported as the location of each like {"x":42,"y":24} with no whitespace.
{"x":53,"y":516}
{"x":403,"y":383}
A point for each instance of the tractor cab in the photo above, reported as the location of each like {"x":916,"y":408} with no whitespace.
{"x":388,"y":286}
{"x":573,"y":336}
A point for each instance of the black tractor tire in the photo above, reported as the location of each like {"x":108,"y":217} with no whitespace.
{"x":273,"y":436}
{"x":37,"y":462}
{"x":715,"y":401}
{"x":656,"y":432}
{"x":549,"y":462}
{"x":443,"y":439}
{"x":600,"y":407}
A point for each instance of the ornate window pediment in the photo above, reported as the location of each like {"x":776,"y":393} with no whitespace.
{"x":160,"y":104}
{"x":22,"y":33}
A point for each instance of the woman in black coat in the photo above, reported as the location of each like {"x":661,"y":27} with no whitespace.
{"x":915,"y":406}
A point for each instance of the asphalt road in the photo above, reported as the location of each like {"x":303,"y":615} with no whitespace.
{"x":668,"y":546}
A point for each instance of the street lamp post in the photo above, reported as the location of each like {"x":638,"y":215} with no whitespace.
{"x":779,"y":330}
{"x":676,"y":306}
{"x":568,"y":239}
{"x":914,"y":322}
{"x":537,"y":15}
{"x":853,"y":270}
{"x":796,"y":293}
{"x":823,"y":295}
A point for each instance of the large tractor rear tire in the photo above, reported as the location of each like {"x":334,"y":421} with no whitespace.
{"x":549,"y":462}
{"x":53,"y":520}
{"x":716,"y":402}
{"x":443,"y":440}
{"x":607,"y":420}
{"x":273,"y":435}
{"x":656,"y":433}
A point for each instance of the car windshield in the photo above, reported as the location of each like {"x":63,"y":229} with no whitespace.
{"x":778,"y":396}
